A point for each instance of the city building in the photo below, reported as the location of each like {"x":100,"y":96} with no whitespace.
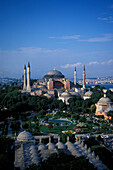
{"x":103,"y":106}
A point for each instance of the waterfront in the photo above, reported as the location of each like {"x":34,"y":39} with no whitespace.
{"x":107,"y":86}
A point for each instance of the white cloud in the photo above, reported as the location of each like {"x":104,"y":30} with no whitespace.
{"x":79,"y":64}
{"x":71,"y":65}
{"x":93,"y":63}
{"x":39,"y":50}
{"x":108,"y":19}
{"x":67,"y":37}
{"x":110,"y":61}
{"x":105,"y":38}
{"x":101,"y":63}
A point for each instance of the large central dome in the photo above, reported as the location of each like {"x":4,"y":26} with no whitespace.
{"x":54,"y":74}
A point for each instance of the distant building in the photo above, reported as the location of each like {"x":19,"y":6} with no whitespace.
{"x":103,"y":106}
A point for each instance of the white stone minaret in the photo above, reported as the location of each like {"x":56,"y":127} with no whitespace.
{"x":84,"y":77}
{"x":24,"y":86}
{"x":75,"y":77}
{"x":28,"y":78}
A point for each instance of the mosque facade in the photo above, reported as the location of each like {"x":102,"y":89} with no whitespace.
{"x":55,"y":79}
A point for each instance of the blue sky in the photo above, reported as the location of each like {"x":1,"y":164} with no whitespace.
{"x":56,"y":33}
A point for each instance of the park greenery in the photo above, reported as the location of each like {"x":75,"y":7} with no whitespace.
{"x":6,"y":153}
{"x":14,"y":103}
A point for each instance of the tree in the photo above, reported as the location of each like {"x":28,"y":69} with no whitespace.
{"x":50,"y":126}
{"x":41,"y":113}
{"x":92,"y":108}
{"x":6,"y":153}
{"x":82,"y":119}
{"x":36,"y":129}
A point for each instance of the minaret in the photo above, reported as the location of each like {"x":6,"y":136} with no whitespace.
{"x":84,"y":77}
{"x":75,"y":77}
{"x":28,"y":78}
{"x":24,"y":86}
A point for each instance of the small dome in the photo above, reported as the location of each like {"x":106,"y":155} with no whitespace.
{"x":104,"y":100}
{"x":34,"y":154}
{"x":66,"y":94}
{"x":60,"y":145}
{"x":71,"y":148}
{"x":69,"y":144}
{"x":76,"y":153}
{"x":74,"y":93}
{"x":51,"y":146}
{"x":24,"y":136}
{"x":41,"y":146}
{"x":54,"y":74}
{"x":88,"y":93}
{"x":32,"y":147}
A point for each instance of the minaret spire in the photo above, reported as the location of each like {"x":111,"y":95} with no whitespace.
{"x":24,"y":86}
{"x":28,"y":78}
{"x":75,"y":76}
{"x":84,"y":77}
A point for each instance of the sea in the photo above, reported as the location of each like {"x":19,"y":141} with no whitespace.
{"x":107,"y":86}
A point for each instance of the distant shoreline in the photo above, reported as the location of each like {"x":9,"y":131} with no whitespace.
{"x":107,"y":86}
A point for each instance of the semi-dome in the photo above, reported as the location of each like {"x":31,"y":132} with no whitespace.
{"x":74,"y":93}
{"x":24,"y":136}
{"x":88,"y":93}
{"x":66,"y":94}
{"x":104,"y":100}
{"x":54,"y":74}
{"x":109,"y":109}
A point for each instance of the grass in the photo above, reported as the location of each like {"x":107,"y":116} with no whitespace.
{"x":56,"y":129}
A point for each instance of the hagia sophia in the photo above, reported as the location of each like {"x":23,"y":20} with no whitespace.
{"x":53,"y":84}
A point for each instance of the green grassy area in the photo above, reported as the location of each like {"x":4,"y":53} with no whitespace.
{"x":56,"y":129}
